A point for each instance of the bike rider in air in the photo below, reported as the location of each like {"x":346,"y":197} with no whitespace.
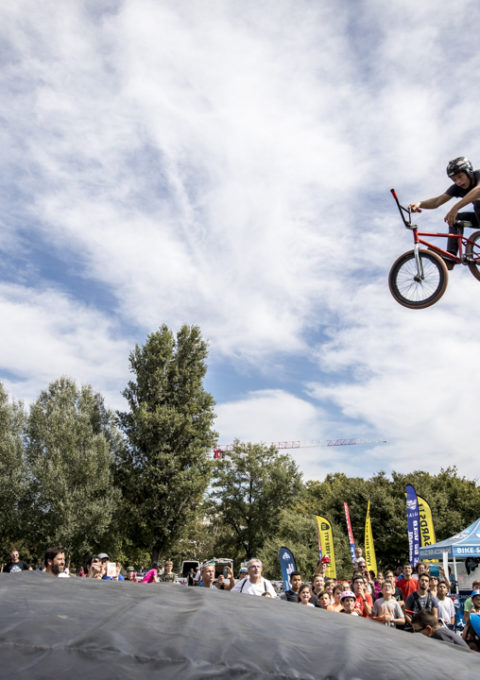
{"x":466,"y":187}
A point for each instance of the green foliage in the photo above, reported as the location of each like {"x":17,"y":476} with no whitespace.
{"x":165,"y":470}
{"x":251,"y":485}
{"x":70,"y":463}
{"x":12,"y":473}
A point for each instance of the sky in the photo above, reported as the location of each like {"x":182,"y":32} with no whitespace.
{"x":228,"y":164}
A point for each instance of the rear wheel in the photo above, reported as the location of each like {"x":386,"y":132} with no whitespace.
{"x":473,"y":251}
{"x":413,"y":291}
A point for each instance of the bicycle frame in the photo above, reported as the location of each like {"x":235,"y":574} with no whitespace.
{"x":462,"y":240}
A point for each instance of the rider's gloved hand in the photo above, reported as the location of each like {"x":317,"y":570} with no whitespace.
{"x":414,"y":207}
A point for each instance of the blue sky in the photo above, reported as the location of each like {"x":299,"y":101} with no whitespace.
{"x":228,"y":164}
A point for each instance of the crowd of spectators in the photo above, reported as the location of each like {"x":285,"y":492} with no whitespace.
{"x":409,"y":600}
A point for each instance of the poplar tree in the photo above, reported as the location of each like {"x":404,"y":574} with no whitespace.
{"x":165,"y":470}
{"x":70,"y":437}
{"x":12,"y":471}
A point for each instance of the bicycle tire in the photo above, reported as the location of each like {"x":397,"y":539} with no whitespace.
{"x":411,"y":292}
{"x":474,"y":251}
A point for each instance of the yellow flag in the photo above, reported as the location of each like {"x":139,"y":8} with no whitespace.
{"x":370,"y":558}
{"x":325,"y":539}
{"x":427,"y":532}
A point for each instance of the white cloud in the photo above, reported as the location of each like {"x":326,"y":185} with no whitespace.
{"x":48,"y":335}
{"x":230,"y":167}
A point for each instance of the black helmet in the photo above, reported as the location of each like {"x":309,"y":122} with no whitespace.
{"x":460,"y":164}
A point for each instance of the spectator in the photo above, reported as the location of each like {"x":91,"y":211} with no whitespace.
{"x":304,"y":595}
{"x":337,"y":594}
{"x":16,"y":565}
{"x":152,"y":575}
{"x":254,"y":584}
{"x":426,"y":623}
{"x":131,"y":574}
{"x":468,"y":602}
{"x":406,"y":583}
{"x":94,"y":567}
{"x":469,"y":634}
{"x":433,"y":585}
{"x":397,"y":593}
{"x":322,"y":566}
{"x":420,"y":599}
{"x":207,"y":576}
{"x":318,"y":585}
{"x":378,"y":583}
{"x":386,"y":609}
{"x":118,"y":569}
{"x":348,"y":601}
{"x":222,"y":584}
{"x":325,"y":601}
{"x":363,"y":601}
{"x":358,"y":556}
{"x":168,"y":575}
{"x":420,"y":569}
{"x":446,"y":608}
{"x":295,"y":584}
{"x":54,"y":561}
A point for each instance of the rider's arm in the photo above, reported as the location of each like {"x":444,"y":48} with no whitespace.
{"x":430,"y":203}
{"x":473,"y":195}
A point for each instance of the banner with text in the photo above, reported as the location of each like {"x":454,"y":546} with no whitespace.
{"x":287,"y":565}
{"x":350,"y":532}
{"x":413,"y":526}
{"x":370,"y":557}
{"x":325,"y":543}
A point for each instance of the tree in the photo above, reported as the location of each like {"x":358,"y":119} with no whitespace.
{"x":252,"y":484}
{"x":70,"y":436}
{"x":165,"y":470}
{"x":12,"y":470}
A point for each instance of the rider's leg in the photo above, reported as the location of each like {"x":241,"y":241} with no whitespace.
{"x":452,"y":243}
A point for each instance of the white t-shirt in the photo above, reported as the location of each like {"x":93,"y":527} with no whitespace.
{"x":446,"y":609}
{"x":248,"y":588}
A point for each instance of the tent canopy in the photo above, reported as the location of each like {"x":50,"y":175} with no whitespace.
{"x":464,"y":544}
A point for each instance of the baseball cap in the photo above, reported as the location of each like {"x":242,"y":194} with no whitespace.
{"x":103,"y":556}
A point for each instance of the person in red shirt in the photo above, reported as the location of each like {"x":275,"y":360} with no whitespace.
{"x":363,"y":601}
{"x":407,"y":583}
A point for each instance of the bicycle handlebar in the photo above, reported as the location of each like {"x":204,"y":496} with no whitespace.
{"x":402,"y":210}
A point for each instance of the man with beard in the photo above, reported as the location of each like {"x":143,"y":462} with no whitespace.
{"x":54,"y":561}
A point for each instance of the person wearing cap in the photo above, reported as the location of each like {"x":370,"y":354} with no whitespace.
{"x":131,"y":575}
{"x":348,"y":601}
{"x":427,"y":623}
{"x":254,"y":584}
{"x":468,"y":602}
{"x":322,"y":566}
{"x":469,"y":634}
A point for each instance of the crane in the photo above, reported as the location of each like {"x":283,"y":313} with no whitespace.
{"x":298,"y":444}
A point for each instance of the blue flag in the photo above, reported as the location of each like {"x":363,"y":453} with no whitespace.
{"x":413,"y":526}
{"x":287,"y":565}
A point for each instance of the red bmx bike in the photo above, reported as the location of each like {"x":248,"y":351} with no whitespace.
{"x":419,"y":277}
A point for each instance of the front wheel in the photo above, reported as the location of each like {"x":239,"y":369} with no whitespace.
{"x":414,"y":291}
{"x":473,"y":252}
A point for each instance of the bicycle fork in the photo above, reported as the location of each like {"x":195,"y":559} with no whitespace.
{"x":418,"y":261}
